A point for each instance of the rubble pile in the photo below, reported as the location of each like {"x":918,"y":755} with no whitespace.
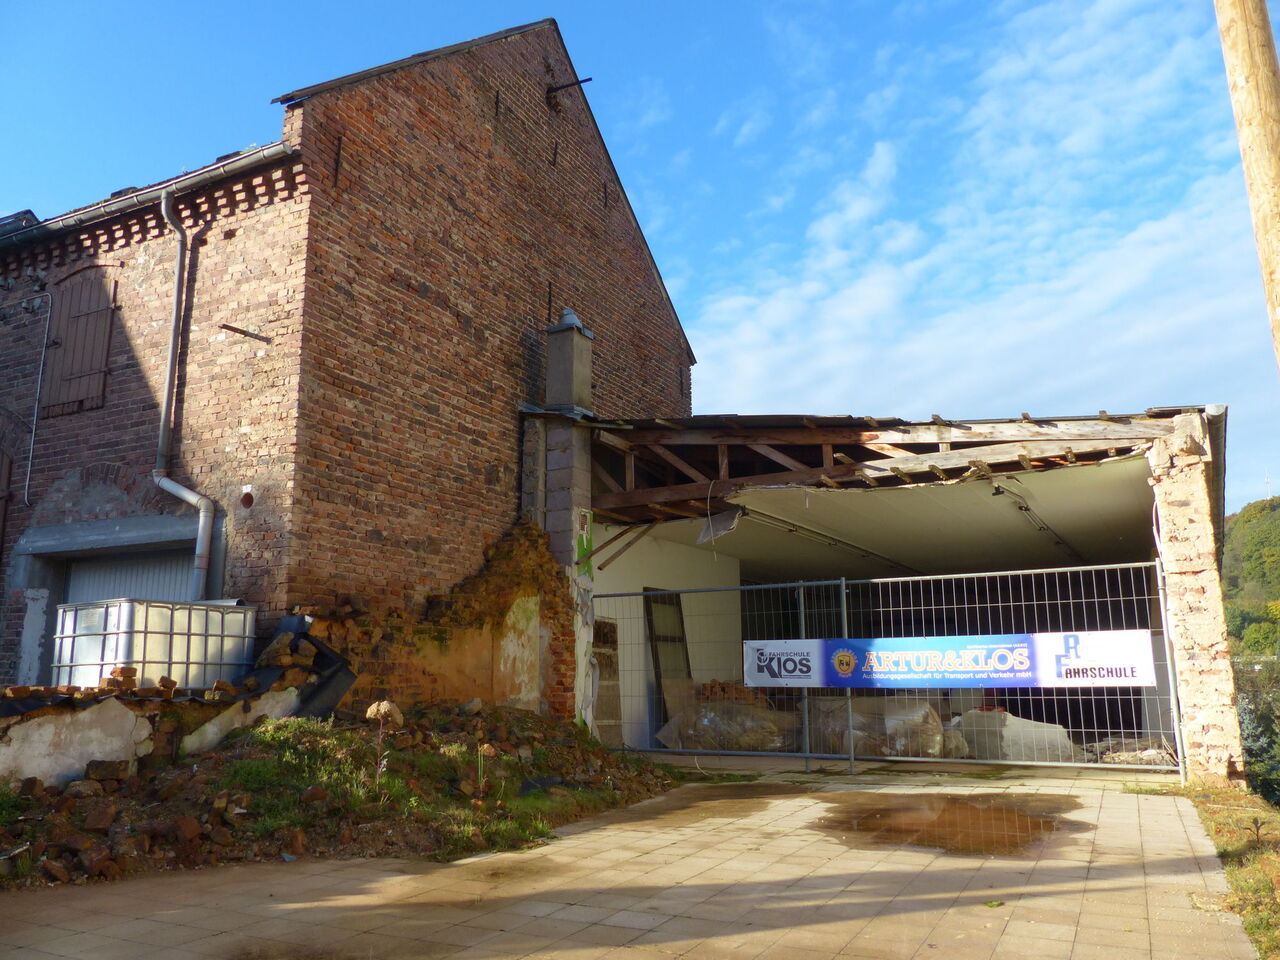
{"x":1141,"y":751}
{"x":437,"y":781}
{"x":293,"y":660}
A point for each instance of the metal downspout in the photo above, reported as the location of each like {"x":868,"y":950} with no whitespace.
{"x":205,"y":506}
{"x":35,"y":406}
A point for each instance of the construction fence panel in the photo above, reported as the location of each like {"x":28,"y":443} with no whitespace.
{"x":679,"y":685}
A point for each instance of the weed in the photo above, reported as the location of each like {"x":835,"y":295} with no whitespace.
{"x":1256,"y":824}
{"x":1151,"y":790}
{"x":23,"y":866}
{"x":12,"y":806}
{"x":1246,"y":831}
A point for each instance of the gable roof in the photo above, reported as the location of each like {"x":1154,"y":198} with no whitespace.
{"x":350,"y":78}
{"x":134,"y":198}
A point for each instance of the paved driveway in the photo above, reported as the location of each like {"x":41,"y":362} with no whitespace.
{"x":784,"y":869}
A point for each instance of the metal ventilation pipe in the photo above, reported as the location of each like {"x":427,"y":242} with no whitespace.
{"x":205,"y":506}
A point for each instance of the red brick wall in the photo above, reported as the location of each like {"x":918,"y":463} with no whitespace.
{"x":446,"y":197}
{"x":237,"y":396}
{"x":380,"y":427}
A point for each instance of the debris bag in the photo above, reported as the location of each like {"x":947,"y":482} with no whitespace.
{"x":907,"y":726}
{"x":954,"y":745}
{"x":829,"y":729}
{"x":912,"y":728}
{"x":997,"y":735}
{"x":729,"y":726}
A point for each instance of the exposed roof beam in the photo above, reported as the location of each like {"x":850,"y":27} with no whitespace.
{"x":677,"y":462}
{"x":954,"y":432}
{"x":888,"y":449}
{"x":777,"y":456}
{"x":609,"y":440}
{"x":605,"y":477}
{"x":993,"y":455}
{"x":628,"y":545}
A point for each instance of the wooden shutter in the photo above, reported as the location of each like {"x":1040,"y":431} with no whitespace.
{"x":75,"y":370}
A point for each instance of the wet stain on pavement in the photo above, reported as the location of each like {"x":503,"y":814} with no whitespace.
{"x":993,"y":824}
{"x":990,"y":824}
{"x":696,"y":802}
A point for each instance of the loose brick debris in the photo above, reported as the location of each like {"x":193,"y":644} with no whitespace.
{"x":441,"y":785}
{"x":287,"y":662}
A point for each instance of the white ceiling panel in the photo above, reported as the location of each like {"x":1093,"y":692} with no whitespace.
{"x":1095,"y":513}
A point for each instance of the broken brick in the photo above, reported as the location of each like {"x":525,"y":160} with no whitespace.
{"x":107,"y":770}
{"x":101,"y":818}
{"x":55,"y":871}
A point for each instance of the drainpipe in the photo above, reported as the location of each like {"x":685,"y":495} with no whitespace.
{"x":204,"y":528}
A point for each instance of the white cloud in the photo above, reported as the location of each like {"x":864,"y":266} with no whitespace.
{"x":744,"y":121}
{"x":647,"y":105}
{"x":819,"y":112}
{"x":854,"y":202}
{"x":1079,"y":242}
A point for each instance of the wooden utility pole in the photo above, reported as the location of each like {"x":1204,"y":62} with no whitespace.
{"x":1253,"y":76}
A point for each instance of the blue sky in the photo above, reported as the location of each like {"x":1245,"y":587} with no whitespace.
{"x":928,"y":206}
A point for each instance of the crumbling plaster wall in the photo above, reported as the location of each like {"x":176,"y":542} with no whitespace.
{"x":58,"y":745}
{"x":56,"y":742}
{"x":1196,"y":625}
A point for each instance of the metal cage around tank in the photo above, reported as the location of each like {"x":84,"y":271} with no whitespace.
{"x":672,"y":674}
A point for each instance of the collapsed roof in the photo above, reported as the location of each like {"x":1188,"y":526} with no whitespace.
{"x":809,"y":496}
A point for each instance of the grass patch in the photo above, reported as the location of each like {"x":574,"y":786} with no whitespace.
{"x":449,"y":795}
{"x":12,"y":806}
{"x":448,"y":783}
{"x":1246,"y":831}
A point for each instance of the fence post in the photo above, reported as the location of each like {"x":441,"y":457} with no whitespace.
{"x":848,"y":691}
{"x":804,"y":694}
{"x":1175,"y":706}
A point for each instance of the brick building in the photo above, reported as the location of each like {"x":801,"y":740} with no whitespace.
{"x":360,"y":313}
{"x":379,"y":367}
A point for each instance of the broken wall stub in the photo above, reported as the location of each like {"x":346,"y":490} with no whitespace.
{"x":56,"y":742}
{"x":487,"y":638}
{"x":1196,"y":625}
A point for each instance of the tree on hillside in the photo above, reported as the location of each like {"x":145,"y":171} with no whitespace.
{"x":1251,"y":589}
{"x":1251,"y":577}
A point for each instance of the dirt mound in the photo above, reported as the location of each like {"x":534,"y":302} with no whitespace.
{"x":452,"y":780}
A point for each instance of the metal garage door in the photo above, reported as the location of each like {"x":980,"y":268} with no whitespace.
{"x":138,"y":576}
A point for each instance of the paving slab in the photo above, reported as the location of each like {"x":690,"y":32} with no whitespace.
{"x":884,"y":865}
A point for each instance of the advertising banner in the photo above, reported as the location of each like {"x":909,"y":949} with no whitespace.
{"x":1100,"y":658}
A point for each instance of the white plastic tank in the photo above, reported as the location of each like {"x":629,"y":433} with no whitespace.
{"x":194,"y":643}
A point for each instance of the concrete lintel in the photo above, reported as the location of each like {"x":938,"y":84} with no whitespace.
{"x":101,"y":535}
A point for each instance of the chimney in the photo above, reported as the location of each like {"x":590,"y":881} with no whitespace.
{"x":569,"y":365}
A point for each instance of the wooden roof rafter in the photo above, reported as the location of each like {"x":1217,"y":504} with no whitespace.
{"x":692,"y":468}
